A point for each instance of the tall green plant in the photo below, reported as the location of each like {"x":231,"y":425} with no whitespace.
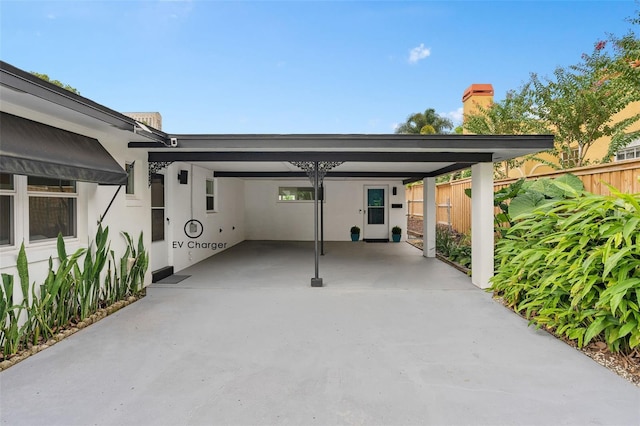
{"x":48,"y":309}
{"x":11,"y":333}
{"x":68,"y":293}
{"x":90,"y":277}
{"x":134,"y":264}
{"x":573,"y":265}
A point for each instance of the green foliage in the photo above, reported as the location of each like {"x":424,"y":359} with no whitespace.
{"x":511,"y":116}
{"x":524,"y":196}
{"x":427,"y":122}
{"x":355,"y":230}
{"x":577,"y":104}
{"x":453,"y":246}
{"x":574,"y":267}
{"x":58,"y":83}
{"x":69,"y":294}
{"x":11,"y":334}
{"x":396,"y":230}
{"x":535,"y":193}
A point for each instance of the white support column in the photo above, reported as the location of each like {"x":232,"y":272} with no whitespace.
{"x":429,"y":217}
{"x":482,"y":244}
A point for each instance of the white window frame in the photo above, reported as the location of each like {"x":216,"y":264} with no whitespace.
{"x":572,"y":156}
{"x":46,"y":194}
{"x":11,"y":193}
{"x":213,"y":195}
{"x":630,"y":153}
{"x":131,"y":179}
{"x":298,"y":187}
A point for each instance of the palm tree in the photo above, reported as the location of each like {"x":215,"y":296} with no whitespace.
{"x":425,"y":123}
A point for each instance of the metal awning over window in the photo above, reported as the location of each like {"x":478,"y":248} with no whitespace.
{"x":35,"y":149}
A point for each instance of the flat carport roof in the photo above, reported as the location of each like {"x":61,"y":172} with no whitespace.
{"x":399,"y":156}
{"x":408,"y":157}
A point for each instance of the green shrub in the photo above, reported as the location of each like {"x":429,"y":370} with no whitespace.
{"x":573,"y":266}
{"x":453,"y":246}
{"x":68,"y":293}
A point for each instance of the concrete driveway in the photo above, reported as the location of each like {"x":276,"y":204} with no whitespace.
{"x":393,"y":338}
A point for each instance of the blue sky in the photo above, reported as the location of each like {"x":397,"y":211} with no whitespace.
{"x":298,"y":66}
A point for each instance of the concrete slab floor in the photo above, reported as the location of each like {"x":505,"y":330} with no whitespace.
{"x":393,"y":338}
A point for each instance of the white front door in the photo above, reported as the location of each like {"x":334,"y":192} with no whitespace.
{"x":376,"y":208}
{"x":159,"y":247}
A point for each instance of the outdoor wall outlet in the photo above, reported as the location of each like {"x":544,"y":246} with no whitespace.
{"x":193,"y":227}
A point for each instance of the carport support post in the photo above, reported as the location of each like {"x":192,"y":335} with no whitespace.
{"x":482,"y":244}
{"x":316,"y":281}
{"x":429,"y":217}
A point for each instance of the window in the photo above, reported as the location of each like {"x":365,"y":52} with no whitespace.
{"x":210,"y":195}
{"x":295,"y":193}
{"x":130,"y":178}
{"x":7,"y":194}
{"x":52,"y":208}
{"x":157,"y":207}
{"x":628,"y":153}
{"x":571,"y":158}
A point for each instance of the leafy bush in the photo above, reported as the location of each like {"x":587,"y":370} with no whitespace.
{"x":523,"y":196}
{"x":355,"y":230}
{"x":573,"y":266}
{"x":453,"y":246}
{"x":68,"y":294}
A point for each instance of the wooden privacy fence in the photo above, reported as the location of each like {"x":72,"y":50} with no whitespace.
{"x":454,"y":207}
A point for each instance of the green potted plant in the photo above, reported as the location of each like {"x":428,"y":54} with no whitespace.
{"x":396,"y":233}
{"x":355,"y":233}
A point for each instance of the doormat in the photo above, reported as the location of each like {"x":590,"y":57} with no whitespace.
{"x":375,"y":240}
{"x":173,"y":279}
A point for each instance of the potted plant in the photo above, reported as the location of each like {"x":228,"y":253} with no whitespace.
{"x":396,"y":233}
{"x":355,"y":233}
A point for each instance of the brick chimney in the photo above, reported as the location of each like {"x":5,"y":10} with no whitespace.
{"x":476,"y":94}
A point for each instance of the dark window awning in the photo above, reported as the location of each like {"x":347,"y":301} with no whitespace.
{"x":35,"y":149}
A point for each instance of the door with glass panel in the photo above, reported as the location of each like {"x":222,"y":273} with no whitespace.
{"x":159,"y":247}
{"x":376,"y":208}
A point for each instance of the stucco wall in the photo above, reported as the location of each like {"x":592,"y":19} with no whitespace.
{"x":93,"y":199}
{"x":268,"y":219}
{"x":222,"y":229}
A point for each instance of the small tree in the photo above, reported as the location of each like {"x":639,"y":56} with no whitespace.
{"x":511,"y":116}
{"x":579,"y":103}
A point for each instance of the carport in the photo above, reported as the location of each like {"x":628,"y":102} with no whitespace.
{"x":408,"y":157}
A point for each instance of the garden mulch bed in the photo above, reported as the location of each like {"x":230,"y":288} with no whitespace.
{"x":626,"y":366}
{"x":67,"y":331}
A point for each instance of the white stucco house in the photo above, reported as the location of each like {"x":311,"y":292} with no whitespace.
{"x":67,"y":163}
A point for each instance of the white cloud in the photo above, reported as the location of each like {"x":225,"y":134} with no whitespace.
{"x":51,"y":16}
{"x":418,"y":53}
{"x":455,"y":116}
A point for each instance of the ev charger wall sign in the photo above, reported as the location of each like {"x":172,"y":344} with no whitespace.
{"x":193,"y":229}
